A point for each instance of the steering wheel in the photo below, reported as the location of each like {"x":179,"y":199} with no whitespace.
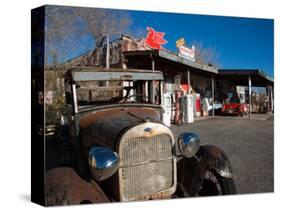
{"x":140,"y":94}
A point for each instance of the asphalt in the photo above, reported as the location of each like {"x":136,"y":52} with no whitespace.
{"x":247,"y":143}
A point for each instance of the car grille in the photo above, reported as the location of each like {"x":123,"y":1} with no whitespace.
{"x":147,"y":167}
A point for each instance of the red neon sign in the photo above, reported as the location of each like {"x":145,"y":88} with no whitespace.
{"x":154,"y":39}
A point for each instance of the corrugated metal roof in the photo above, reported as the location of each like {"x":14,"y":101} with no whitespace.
{"x":176,"y":58}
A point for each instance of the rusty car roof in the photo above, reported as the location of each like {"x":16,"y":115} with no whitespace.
{"x":89,"y":73}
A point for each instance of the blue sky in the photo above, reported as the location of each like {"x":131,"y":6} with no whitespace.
{"x":239,"y":42}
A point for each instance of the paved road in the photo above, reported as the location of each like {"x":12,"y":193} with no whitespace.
{"x":247,"y":143}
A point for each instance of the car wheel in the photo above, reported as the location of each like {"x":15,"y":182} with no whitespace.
{"x":213,"y":185}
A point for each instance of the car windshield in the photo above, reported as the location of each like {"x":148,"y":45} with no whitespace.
{"x":234,"y":99}
{"x":90,"y":93}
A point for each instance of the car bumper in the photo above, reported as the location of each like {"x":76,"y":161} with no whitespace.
{"x":231,"y":112}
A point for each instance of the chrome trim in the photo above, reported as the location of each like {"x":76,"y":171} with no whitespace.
{"x":103,"y":163}
{"x":146,"y":162}
{"x":227,"y":173}
{"x":139,"y":131}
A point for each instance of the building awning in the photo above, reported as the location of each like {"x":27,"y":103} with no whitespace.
{"x":240,"y":76}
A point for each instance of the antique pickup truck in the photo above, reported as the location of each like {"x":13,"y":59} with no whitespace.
{"x":121,"y":149}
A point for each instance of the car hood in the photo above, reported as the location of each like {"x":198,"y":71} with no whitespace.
{"x":103,"y":128}
{"x":232,"y":105}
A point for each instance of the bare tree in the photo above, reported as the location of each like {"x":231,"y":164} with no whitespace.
{"x":206,"y":55}
{"x":100,"y":22}
{"x":59,"y":32}
{"x":64,"y":27}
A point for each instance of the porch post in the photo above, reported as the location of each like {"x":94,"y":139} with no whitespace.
{"x":152,"y":63}
{"x":250,"y":95}
{"x":213,"y":96}
{"x":107,"y":57}
{"x":152,"y":82}
{"x":271,"y":99}
{"x":107,"y":51}
{"x":188,"y":81}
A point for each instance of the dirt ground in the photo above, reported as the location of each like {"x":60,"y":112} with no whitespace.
{"x":248,"y":144}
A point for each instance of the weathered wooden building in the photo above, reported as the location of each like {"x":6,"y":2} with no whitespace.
{"x":127,"y":52}
{"x":204,"y":79}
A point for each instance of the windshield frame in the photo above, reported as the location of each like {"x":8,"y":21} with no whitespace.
{"x":81,"y":108}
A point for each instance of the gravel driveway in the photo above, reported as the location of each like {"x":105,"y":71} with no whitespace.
{"x":247,"y":143}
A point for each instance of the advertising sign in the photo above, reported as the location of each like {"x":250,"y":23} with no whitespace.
{"x":187,"y":53}
{"x":154,"y":39}
{"x":180,"y":42}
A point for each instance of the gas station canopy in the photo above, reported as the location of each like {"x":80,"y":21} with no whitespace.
{"x":241,"y":77}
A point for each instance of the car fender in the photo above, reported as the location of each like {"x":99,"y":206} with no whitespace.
{"x":191,"y":171}
{"x":215,"y":159}
{"x":63,"y":186}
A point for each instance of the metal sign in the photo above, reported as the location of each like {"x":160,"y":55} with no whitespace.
{"x":154,"y":39}
{"x":180,"y":42}
{"x":187,"y":53}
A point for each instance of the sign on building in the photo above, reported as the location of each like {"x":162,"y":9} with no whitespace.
{"x":187,"y":53}
{"x":154,"y":39}
{"x":180,"y":42}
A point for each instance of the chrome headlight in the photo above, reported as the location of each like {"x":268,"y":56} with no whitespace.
{"x":103,"y":163}
{"x":189,"y":144}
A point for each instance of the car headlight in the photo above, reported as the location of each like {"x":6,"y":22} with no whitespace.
{"x":189,"y":144}
{"x":103,"y":163}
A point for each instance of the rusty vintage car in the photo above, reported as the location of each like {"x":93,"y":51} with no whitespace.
{"x":121,"y":149}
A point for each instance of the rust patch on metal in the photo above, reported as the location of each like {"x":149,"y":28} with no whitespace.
{"x":126,"y":77}
{"x":96,"y":125}
{"x":64,"y":187}
{"x":90,"y":118}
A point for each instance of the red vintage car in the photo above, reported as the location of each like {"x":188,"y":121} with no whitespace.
{"x":235,"y":109}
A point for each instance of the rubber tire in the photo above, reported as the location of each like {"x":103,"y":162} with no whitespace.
{"x":227,"y":185}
